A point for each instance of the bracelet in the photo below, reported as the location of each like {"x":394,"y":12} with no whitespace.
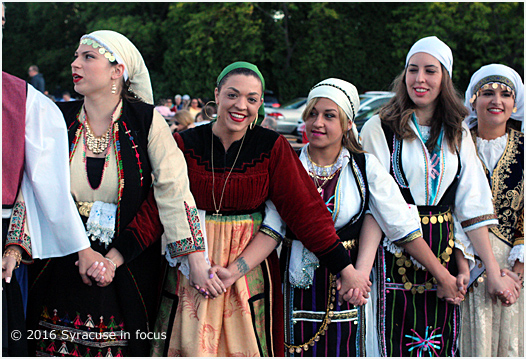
{"x":9,"y":252}
{"x":112,"y":262}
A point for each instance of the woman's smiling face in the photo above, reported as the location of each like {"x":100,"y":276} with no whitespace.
{"x":238,"y":102}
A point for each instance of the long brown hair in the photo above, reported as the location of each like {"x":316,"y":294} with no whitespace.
{"x":349,"y":141}
{"x":449,"y":112}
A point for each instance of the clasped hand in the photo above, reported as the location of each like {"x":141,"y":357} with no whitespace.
{"x":93,"y":265}
{"x":353,"y":286}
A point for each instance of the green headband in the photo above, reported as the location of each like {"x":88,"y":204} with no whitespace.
{"x":245,"y":65}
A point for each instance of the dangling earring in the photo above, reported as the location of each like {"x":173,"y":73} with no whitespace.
{"x":114,"y":88}
{"x":206,"y":105}
{"x":514,"y":110}
{"x":253,"y":124}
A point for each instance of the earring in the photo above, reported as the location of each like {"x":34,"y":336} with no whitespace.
{"x":209,"y":102}
{"x":253,"y":124}
{"x":114,"y":88}
{"x":514,"y":110}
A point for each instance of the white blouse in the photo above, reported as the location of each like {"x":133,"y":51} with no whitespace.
{"x":473,"y":200}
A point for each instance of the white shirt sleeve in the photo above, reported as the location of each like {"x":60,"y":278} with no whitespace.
{"x":54,"y":222}
{"x":396,"y":218}
{"x":473,"y":200}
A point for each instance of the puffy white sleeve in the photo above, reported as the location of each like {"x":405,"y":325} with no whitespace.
{"x":373,"y":141}
{"x":398,"y":220}
{"x":54,"y":222}
{"x":473,"y":201}
{"x":272,"y":224}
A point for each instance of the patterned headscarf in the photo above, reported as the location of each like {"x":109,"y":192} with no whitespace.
{"x":343,"y":93}
{"x":495,"y":74}
{"x":116,"y":47}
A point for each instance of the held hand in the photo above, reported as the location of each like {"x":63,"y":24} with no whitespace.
{"x":503,"y":287}
{"x":225,"y":275}
{"x":353,"y":296}
{"x":448,"y":289}
{"x":207,"y":284}
{"x":462,"y":282}
{"x":352,"y":278}
{"x":8,"y":265}
{"x":87,"y":257}
{"x":103,"y":272}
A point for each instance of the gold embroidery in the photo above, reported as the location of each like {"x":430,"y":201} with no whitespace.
{"x":512,"y":199}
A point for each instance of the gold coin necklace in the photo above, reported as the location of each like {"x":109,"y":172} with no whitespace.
{"x":95,"y":144}
{"x":217,"y":209}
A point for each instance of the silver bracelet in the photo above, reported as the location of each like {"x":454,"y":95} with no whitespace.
{"x":114,"y":265}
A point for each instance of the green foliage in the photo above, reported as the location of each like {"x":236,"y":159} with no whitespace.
{"x":295,"y":45}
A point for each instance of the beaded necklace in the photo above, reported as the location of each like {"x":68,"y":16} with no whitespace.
{"x":325,"y":173}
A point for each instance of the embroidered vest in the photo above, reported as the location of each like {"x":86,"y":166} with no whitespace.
{"x":136,"y":118}
{"x":507,"y":188}
{"x":351,"y":230}
{"x":14,"y":94}
{"x":397,"y":172}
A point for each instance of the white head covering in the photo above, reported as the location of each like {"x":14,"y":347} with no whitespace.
{"x":495,"y":73}
{"x":343,"y":93}
{"x":127,"y":54}
{"x":435,"y":47}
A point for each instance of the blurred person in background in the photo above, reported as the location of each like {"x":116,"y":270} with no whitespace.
{"x":181,"y":121}
{"x":186,"y":102}
{"x":36,"y":78}
{"x":178,"y":103}
{"x":194,"y":108}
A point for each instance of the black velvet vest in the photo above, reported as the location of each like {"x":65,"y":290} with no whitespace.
{"x":137,"y":118}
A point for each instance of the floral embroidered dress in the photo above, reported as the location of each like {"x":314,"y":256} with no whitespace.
{"x":452,"y":196}
{"x":248,"y":319}
{"x":489,"y":329}
{"x":111,"y":194}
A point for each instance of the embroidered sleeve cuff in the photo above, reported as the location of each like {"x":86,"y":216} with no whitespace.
{"x":518,"y":241}
{"x":271,"y":233}
{"x":489,"y":220}
{"x":183,"y":247}
{"x":409,"y":238}
{"x":17,"y":233}
{"x":516,"y":254}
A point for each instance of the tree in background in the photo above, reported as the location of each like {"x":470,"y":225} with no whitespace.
{"x":295,"y":45}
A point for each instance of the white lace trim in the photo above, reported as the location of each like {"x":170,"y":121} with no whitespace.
{"x":490,"y":151}
{"x":101,"y":222}
{"x":516,"y":254}
{"x":302,"y":265}
{"x":393,"y":248}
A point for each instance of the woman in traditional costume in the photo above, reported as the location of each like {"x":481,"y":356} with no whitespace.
{"x":356,"y":190}
{"x":234,"y":167}
{"x":495,"y":99}
{"x":119,"y":147}
{"x":419,"y":137}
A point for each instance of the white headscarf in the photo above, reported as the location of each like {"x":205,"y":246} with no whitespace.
{"x":343,"y":93}
{"x":127,"y":54}
{"x":435,"y":47}
{"x":495,"y":73}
